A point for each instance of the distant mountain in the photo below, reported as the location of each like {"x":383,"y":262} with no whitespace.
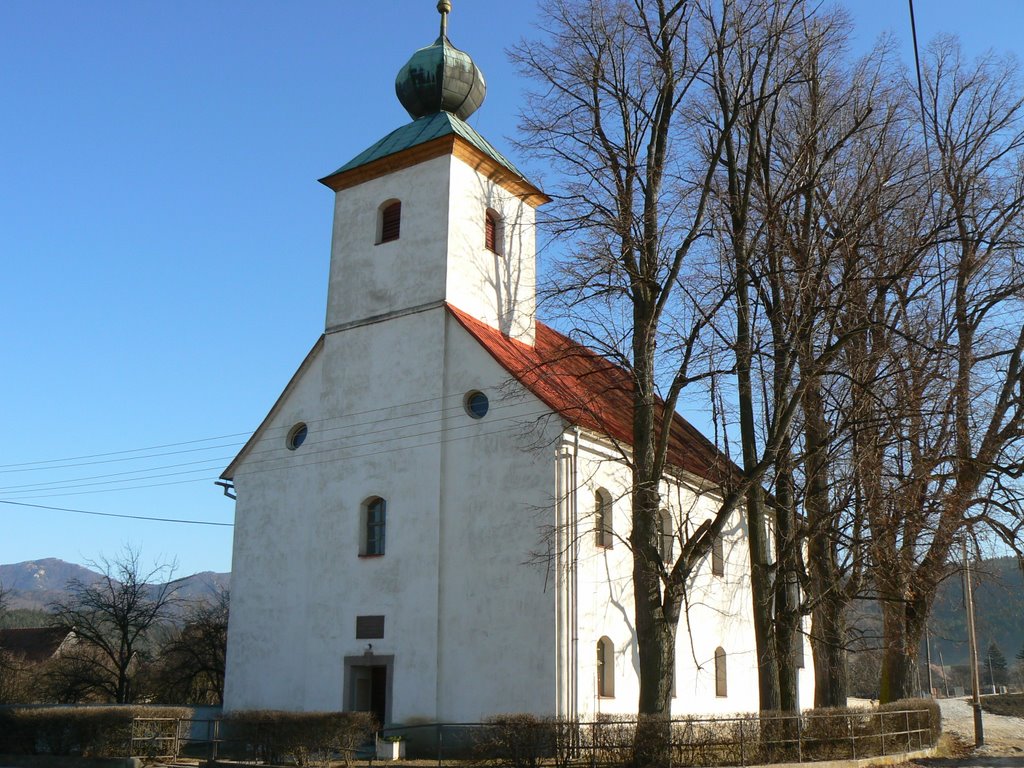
{"x":35,"y":584}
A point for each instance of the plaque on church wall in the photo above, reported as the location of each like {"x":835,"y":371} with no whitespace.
{"x":369,"y":627}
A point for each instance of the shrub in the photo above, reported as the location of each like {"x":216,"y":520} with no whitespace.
{"x":929,"y":720}
{"x":85,"y":731}
{"x":611,"y":739}
{"x":302,"y":738}
{"x":525,"y":740}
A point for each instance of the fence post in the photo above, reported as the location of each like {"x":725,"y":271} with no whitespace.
{"x":799,"y":739}
{"x":215,"y":744}
{"x":853,"y":737}
{"x":881,"y":730}
{"x":743,"y":757}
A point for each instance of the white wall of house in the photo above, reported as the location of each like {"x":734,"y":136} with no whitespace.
{"x":719,"y":613}
{"x":496,"y":288}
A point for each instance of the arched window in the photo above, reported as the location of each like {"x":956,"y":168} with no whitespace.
{"x":603,"y":518}
{"x":374,"y":525}
{"x":492,"y":232}
{"x":389,"y":224}
{"x":665,"y":536}
{"x":605,"y":668}
{"x":721,"y":686}
{"x":718,"y":556}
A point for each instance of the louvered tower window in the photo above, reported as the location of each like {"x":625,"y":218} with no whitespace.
{"x":491,"y":231}
{"x":390,"y":222}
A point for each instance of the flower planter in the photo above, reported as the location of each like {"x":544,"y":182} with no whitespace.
{"x":390,"y":750}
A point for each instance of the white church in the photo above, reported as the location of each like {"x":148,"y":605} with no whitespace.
{"x":432,"y":521}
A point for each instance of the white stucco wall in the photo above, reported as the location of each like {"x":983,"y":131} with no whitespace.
{"x":718,"y":615}
{"x":497,"y":288}
{"x":462,"y":606}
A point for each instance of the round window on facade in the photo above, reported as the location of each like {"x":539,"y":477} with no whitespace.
{"x":476,"y":404}
{"x":297,"y":436}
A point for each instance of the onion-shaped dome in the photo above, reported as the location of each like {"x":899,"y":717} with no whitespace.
{"x":440,"y":77}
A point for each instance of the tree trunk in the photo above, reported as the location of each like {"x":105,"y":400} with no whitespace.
{"x":899,"y":657}
{"x":655,"y":634}
{"x":828,"y":648}
{"x":828,"y":636}
{"x":757,"y":528}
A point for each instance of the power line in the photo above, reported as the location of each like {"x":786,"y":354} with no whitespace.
{"x":347,"y":442}
{"x":5,"y":467}
{"x":113,"y":514}
{"x":36,"y":489}
{"x":292,"y":464}
{"x":35,"y":466}
{"x":42,"y":486}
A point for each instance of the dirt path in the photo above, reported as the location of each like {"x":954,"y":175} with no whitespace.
{"x":1003,"y":735}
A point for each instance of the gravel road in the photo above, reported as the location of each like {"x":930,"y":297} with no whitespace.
{"x":1003,"y":735}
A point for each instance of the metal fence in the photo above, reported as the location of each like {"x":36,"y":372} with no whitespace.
{"x":527,"y":742}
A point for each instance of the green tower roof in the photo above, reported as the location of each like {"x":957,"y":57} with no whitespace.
{"x":420,"y":132}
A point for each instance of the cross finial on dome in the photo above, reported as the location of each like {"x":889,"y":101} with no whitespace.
{"x":444,"y":7}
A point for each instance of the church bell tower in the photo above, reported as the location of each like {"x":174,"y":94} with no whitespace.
{"x":433,"y":213}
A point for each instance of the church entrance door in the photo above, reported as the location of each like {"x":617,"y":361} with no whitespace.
{"x":369,"y":690}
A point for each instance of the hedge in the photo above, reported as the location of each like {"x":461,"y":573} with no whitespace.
{"x":302,"y":738}
{"x":524,"y":741}
{"x":77,"y":731}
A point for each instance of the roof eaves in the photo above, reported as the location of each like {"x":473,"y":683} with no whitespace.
{"x":415,"y":142}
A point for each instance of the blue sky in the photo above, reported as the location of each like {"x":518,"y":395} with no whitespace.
{"x":165,"y":244}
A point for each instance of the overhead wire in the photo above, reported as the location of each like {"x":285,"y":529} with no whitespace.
{"x":286,"y":462}
{"x":123,"y":516}
{"x":28,"y":466}
{"x":325,"y":446}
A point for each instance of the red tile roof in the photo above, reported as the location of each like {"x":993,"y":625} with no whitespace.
{"x":33,"y":644}
{"x":590,"y":391}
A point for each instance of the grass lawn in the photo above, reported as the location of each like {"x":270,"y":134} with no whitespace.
{"x":1006,"y":704}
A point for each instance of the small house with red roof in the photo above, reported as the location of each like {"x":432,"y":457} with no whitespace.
{"x":35,"y":645}
{"x":432,"y":520}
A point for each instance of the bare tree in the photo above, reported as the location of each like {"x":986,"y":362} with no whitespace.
{"x":191,"y":664}
{"x":112,"y":619}
{"x":638,"y":109}
{"x":8,"y":668}
{"x":955,"y":448}
{"x":615,"y":79}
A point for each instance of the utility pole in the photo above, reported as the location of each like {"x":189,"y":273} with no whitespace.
{"x":972,"y":641}
{"x":945,"y":680}
{"x":928,"y":659}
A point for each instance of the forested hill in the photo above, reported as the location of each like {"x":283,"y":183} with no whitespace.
{"x":999,"y":611}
